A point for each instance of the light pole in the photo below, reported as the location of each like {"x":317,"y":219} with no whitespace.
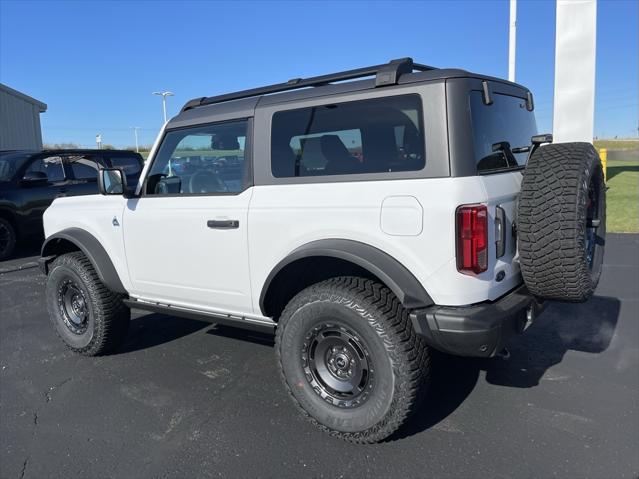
{"x":135,"y":131}
{"x":512,"y":40}
{"x":163,"y":94}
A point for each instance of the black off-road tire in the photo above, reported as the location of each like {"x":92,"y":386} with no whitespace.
{"x":563,"y":197}
{"x":106,"y":316}
{"x":398,"y":358}
{"x":7,"y":239}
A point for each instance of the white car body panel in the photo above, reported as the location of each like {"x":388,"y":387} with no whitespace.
{"x":94,"y":214}
{"x":299,"y":214}
{"x":173,"y":257}
{"x":169,"y":255}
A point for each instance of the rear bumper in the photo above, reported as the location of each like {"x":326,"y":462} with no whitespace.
{"x":480,"y":330}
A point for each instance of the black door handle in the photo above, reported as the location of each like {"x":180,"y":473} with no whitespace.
{"x":223,"y":224}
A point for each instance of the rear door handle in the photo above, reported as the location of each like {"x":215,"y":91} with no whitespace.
{"x":223,"y":224}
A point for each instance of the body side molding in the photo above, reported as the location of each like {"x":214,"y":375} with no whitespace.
{"x":391,"y":272}
{"x":91,"y":247}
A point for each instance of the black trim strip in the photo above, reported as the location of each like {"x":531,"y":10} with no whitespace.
{"x":216,"y":318}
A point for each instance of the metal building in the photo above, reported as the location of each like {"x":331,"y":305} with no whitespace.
{"x":19,"y":120}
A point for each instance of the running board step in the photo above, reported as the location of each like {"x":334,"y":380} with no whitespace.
{"x":217,"y":318}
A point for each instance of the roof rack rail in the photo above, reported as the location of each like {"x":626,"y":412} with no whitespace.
{"x":385,"y":74}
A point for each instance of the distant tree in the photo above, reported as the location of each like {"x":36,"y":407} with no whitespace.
{"x":60,"y":146}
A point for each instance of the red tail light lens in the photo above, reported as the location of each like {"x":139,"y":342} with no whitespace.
{"x":472,"y":239}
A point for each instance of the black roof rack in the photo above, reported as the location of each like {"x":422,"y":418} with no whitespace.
{"x":385,"y":74}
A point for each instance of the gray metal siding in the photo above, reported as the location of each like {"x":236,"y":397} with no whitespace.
{"x":19,"y":121}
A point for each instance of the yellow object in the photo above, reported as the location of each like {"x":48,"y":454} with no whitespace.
{"x":603,"y":154}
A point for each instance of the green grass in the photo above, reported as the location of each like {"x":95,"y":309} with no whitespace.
{"x":622,"y":197}
{"x":612,"y":145}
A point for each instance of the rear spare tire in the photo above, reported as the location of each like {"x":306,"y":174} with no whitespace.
{"x":561,"y":221}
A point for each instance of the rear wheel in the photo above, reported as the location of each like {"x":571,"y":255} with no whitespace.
{"x":88,"y":317}
{"x":350,"y":358}
{"x":562,"y":222}
{"x":7,"y":239}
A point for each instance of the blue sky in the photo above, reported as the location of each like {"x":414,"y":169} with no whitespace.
{"x":96,"y":64}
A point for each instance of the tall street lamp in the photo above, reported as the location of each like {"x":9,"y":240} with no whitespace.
{"x":135,"y":130}
{"x":163,"y":94}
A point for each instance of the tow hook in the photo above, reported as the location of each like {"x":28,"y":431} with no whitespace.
{"x":503,"y":354}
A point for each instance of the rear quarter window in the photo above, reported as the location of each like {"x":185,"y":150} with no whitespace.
{"x":359,"y":137}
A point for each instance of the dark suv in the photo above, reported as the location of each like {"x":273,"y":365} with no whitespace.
{"x":31,"y":180}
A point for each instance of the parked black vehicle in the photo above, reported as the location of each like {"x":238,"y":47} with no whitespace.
{"x":31,"y":180}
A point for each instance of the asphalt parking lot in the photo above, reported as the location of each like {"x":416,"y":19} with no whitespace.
{"x":187,"y":399}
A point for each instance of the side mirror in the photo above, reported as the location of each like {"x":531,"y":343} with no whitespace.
{"x":35,"y":178}
{"x":111,"y":181}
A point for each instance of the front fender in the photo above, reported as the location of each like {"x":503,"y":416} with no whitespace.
{"x":84,"y":241}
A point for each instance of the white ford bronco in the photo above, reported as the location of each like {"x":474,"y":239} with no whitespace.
{"x":365,"y":222}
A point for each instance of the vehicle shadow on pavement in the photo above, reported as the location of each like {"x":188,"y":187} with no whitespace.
{"x":587,"y":327}
{"x":255,"y":337}
{"x":155,"y":329}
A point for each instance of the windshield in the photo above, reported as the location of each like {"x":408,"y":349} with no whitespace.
{"x":10,"y":163}
{"x":505,"y":120}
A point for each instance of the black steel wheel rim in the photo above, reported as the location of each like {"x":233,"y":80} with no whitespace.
{"x":74,"y":307}
{"x":5,"y":237}
{"x":337,"y":365}
{"x":593,"y":220}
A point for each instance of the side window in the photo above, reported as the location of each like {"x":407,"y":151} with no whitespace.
{"x":200,"y":160}
{"x":83,"y":167}
{"x":367,"y":136}
{"x":51,"y":166}
{"x":129,"y":164}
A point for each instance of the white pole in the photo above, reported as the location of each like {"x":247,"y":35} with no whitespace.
{"x":575,"y":55}
{"x":164,"y":94}
{"x":512,"y":40}
{"x":137,"y":148}
{"x":164,"y":106}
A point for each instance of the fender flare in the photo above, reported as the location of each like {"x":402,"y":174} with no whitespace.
{"x":92,"y":249}
{"x":391,"y":272}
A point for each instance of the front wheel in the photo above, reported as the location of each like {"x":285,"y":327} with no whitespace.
{"x":89,"y":318}
{"x":7,"y":239}
{"x":350,"y":358}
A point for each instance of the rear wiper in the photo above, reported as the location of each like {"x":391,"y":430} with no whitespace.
{"x":504,"y":147}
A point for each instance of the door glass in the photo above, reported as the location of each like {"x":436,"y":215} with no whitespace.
{"x":201,"y":160}
{"x":83,"y":167}
{"x":129,"y":164}
{"x":51,"y":166}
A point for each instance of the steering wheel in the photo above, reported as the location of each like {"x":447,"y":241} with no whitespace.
{"x":205,"y":181}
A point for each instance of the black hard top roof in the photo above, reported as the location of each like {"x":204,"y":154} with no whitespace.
{"x":396,"y":72}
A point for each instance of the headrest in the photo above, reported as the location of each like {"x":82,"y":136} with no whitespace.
{"x":332,"y":147}
{"x":225,"y":142}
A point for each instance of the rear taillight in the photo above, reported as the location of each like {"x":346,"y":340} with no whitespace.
{"x":472,"y":239}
